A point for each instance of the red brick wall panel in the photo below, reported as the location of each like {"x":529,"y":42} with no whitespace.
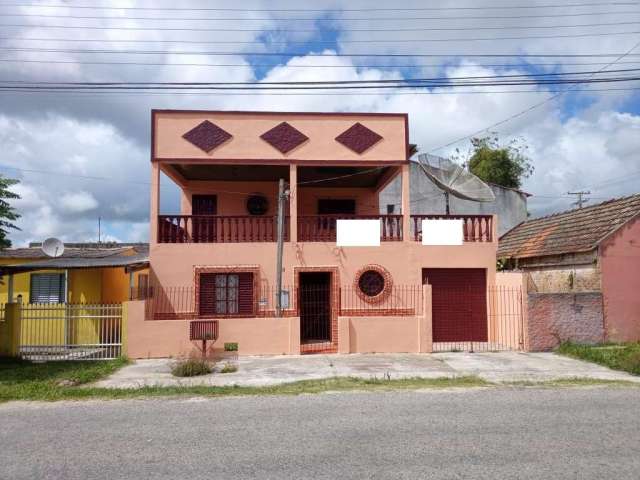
{"x":558,"y":317}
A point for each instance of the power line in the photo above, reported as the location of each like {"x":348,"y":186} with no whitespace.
{"x":532,"y":107}
{"x":456,"y":18}
{"x":97,"y":94}
{"x":329,"y":42}
{"x":315,"y":30}
{"x":334,"y":82}
{"x":415,"y":9}
{"x":316,"y":55}
{"x":270,"y":65}
{"x":258,"y":86}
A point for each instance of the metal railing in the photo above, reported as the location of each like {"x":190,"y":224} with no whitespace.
{"x":181,"y":302}
{"x":322,"y":228}
{"x":475,"y":228}
{"x":218,"y":228}
{"x":399,"y":300}
{"x":70,"y":331}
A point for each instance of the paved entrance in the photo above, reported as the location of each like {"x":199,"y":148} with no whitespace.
{"x":260,"y":371}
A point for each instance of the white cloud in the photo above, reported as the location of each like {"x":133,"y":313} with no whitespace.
{"x":78,"y":202}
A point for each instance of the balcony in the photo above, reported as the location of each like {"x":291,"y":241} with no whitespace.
{"x":322,"y":228}
{"x":218,"y":229}
{"x":475,"y":228}
{"x":311,"y":228}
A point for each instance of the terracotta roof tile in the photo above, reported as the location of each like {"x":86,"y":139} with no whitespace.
{"x":567,"y":232}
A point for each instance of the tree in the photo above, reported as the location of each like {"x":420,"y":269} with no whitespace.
{"x":8,"y":214}
{"x":505,"y":165}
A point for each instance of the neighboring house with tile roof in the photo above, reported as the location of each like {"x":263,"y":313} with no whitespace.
{"x":593,"y":249}
{"x":85,"y":273}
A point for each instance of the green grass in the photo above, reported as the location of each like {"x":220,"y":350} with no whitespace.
{"x":46,"y":382}
{"x":21,"y":379}
{"x":625,"y":357}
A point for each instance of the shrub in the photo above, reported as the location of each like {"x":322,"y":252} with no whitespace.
{"x":231,"y":347}
{"x":229,"y":368}
{"x":191,"y":367}
{"x":631,"y":363}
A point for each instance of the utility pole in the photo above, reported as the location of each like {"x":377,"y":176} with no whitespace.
{"x":580,"y":195}
{"x":282,"y":196}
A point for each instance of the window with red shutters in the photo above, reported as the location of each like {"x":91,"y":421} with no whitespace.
{"x":226,"y":294}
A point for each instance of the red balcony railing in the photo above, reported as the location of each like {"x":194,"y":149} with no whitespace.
{"x":475,"y":228}
{"x":218,"y":229}
{"x":322,"y":228}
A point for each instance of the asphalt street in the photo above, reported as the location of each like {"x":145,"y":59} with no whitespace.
{"x":568,"y":433}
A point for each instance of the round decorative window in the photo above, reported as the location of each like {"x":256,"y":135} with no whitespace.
{"x":257,"y":205}
{"x":371,"y":283}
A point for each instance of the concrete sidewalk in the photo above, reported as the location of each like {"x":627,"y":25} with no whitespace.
{"x":273,"y":370}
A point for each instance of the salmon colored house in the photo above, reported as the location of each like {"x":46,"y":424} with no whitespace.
{"x":352,"y":278}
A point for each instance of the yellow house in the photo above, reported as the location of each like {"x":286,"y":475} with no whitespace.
{"x":85,"y":273}
{"x":61,"y":296}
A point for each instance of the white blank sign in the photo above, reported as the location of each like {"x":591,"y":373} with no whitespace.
{"x":358,"y":233}
{"x":442,"y":232}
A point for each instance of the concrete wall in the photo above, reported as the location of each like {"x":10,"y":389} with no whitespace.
{"x":620,"y":264}
{"x":170,"y":338}
{"x":426,"y":197}
{"x":275,"y":336}
{"x":556,"y":317}
{"x":174,"y":264}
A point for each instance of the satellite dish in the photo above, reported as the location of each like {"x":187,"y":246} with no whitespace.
{"x":53,"y":247}
{"x":454,"y":179}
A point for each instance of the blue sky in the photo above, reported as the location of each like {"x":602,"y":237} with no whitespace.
{"x":80,"y":157}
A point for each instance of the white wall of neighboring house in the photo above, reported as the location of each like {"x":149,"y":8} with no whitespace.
{"x":426,"y":197}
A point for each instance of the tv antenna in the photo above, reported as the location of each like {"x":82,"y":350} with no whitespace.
{"x":581,"y":200}
{"x":53,"y":247}
{"x":454,"y":180}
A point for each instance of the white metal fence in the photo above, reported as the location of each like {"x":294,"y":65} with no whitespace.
{"x":70,"y":331}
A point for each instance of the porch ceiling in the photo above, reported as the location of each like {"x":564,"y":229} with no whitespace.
{"x":230,"y":173}
{"x":349,"y":176}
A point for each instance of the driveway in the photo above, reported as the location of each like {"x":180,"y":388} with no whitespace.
{"x":497,"y":433}
{"x":273,"y":370}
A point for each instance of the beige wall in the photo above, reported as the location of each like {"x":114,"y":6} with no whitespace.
{"x":246,"y":128}
{"x":173,"y":264}
{"x":170,"y":338}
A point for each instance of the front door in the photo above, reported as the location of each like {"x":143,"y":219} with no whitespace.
{"x":315,"y":311}
{"x":204,"y":228}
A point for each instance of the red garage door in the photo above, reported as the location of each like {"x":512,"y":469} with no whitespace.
{"x":459,"y":299}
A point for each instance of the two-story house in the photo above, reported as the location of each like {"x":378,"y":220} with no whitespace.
{"x":352,"y":278}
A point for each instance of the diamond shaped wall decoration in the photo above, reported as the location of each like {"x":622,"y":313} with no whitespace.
{"x":358,"y":138}
{"x":284,"y":137}
{"x":207,"y":136}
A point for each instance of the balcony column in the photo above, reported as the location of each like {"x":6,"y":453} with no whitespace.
{"x":293,"y":203}
{"x":154,"y":209}
{"x":406,"y":205}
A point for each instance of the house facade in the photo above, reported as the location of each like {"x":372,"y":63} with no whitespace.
{"x":352,"y":278}
{"x":581,"y":269}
